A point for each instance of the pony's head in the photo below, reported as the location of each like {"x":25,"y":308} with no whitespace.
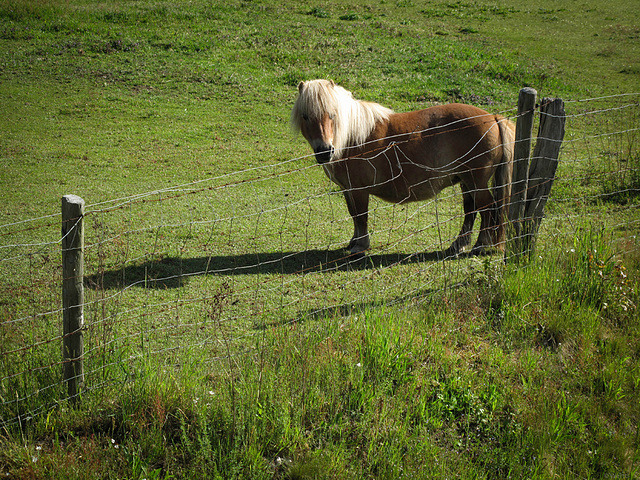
{"x":331,"y":120}
{"x":314,"y":115}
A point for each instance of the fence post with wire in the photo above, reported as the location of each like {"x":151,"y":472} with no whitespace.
{"x":73,"y":293}
{"x":533,"y":175}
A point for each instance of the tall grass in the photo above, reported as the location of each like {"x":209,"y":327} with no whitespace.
{"x":535,"y":377}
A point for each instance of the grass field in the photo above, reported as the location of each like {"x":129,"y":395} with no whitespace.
{"x":226,"y":336}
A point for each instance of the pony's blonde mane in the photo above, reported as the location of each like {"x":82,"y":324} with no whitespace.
{"x":354,"y":120}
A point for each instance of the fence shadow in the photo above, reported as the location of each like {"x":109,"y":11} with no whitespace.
{"x":345,"y":309}
{"x":174,"y":272}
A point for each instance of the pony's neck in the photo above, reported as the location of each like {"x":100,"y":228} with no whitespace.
{"x":356,"y":122}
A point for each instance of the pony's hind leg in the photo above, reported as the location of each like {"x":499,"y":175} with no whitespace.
{"x":489,"y":225}
{"x":464,"y":237}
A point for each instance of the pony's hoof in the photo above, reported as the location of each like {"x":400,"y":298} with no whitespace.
{"x":481,"y":251}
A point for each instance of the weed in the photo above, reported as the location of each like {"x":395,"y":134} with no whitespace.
{"x":597,"y":279}
{"x":318,"y":12}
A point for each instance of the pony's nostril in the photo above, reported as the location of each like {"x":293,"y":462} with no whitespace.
{"x":325,"y":150}
{"x":323,"y":154}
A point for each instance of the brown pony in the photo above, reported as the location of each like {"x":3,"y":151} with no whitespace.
{"x":368,"y":149}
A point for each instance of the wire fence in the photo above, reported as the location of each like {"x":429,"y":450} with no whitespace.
{"x":208,"y":266}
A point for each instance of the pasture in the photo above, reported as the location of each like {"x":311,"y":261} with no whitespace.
{"x":226,"y":333}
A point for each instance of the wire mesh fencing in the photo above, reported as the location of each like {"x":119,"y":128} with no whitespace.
{"x":208,"y":266}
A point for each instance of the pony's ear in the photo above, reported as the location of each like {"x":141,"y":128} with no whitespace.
{"x":300,"y":86}
{"x":333,"y":84}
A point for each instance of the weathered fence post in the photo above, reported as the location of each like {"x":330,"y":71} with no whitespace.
{"x":543,"y":167}
{"x":72,"y":292}
{"x":521,"y":154}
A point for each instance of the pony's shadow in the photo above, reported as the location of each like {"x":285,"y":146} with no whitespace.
{"x":175,"y":272}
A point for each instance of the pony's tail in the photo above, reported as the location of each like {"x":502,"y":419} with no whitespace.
{"x":503,"y":176}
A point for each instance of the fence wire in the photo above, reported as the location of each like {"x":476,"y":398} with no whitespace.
{"x":208,"y":266}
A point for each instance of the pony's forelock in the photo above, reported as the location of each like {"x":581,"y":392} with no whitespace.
{"x":316,"y":97}
{"x":354,"y":120}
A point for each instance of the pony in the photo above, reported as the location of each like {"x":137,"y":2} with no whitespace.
{"x":368,"y":149}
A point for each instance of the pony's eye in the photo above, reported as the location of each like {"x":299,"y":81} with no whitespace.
{"x":305,"y":118}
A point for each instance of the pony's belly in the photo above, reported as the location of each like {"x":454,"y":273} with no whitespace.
{"x":406,"y":189}
{"x":394,"y":184}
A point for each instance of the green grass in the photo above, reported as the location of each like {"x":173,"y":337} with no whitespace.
{"x":480,"y":383}
{"x":226,"y":336}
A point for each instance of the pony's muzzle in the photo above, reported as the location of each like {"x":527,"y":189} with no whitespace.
{"x":323,"y":153}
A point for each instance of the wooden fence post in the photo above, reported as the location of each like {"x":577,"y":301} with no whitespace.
{"x":543,"y":167}
{"x":73,"y":293}
{"x":521,"y":155}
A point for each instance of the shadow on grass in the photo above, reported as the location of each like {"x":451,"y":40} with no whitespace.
{"x":174,"y":272}
{"x":345,"y":309}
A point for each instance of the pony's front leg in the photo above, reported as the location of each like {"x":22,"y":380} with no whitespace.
{"x":358,"y":205}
